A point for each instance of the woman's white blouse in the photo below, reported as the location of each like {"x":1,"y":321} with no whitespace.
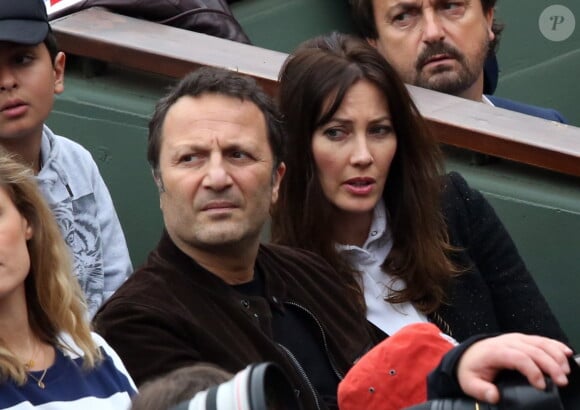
{"x":378,"y":284}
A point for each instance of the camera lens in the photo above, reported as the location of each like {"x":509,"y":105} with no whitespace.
{"x":262,"y":386}
{"x":269,"y":389}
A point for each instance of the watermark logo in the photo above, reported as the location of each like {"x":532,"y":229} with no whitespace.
{"x":557,"y":22}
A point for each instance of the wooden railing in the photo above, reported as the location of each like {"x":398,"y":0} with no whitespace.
{"x":152,"y":47}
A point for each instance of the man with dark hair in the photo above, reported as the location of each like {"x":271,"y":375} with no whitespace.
{"x":447,"y":46}
{"x":210,"y":292}
{"x":31,"y":73}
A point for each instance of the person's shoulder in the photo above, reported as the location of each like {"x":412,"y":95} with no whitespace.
{"x":144,"y":294}
{"x":293,"y":260}
{"x":71,"y":349}
{"x":69,"y":147}
{"x":119,"y":374}
{"x":73,"y":156}
{"x":287,"y":253}
{"x":465,"y":208}
{"x":102,"y":344}
{"x":457,"y":199}
{"x":144,"y":287}
{"x":533,"y":110}
{"x":99,"y":341}
{"x":454,"y":186}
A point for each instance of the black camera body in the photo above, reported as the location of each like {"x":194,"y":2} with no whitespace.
{"x":515,"y":397}
{"x":517,"y":394}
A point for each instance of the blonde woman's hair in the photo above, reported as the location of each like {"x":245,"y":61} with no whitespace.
{"x":54,"y":298}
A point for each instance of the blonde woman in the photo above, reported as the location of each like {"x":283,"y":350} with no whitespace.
{"x":48,"y":355}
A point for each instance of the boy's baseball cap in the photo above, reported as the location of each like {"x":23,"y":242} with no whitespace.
{"x":23,"y":21}
{"x":393,"y":375}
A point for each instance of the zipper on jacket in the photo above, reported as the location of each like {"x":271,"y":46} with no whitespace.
{"x":302,"y":373}
{"x":326,"y":349}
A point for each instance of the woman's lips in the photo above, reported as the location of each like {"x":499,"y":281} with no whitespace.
{"x":360,"y":186}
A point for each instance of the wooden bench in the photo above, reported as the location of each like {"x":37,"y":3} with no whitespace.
{"x":143,"y":45}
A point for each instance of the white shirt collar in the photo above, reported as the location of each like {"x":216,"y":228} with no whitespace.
{"x":486,"y":100}
{"x":378,"y":232}
{"x":376,"y":283}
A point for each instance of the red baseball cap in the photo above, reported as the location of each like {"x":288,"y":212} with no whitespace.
{"x":393,"y":375}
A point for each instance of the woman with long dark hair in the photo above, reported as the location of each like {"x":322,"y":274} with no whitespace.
{"x":365,"y":189}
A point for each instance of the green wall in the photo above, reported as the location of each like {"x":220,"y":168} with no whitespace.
{"x":533,"y":68}
{"x":282,"y":24}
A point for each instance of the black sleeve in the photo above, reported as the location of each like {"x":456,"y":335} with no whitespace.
{"x":442,"y":382}
{"x":519,"y":305}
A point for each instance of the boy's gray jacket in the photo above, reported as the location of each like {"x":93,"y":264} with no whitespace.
{"x":73,"y":187}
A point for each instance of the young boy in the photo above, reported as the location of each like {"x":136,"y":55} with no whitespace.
{"x":31,"y":73}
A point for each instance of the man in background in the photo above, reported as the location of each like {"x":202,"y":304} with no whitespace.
{"x":443,"y":45}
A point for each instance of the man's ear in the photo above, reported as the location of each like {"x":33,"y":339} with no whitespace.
{"x":372,"y":42}
{"x":159,"y":184}
{"x":158,"y":180}
{"x":277,"y":180}
{"x":489,"y":16}
{"x":58,"y":66}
